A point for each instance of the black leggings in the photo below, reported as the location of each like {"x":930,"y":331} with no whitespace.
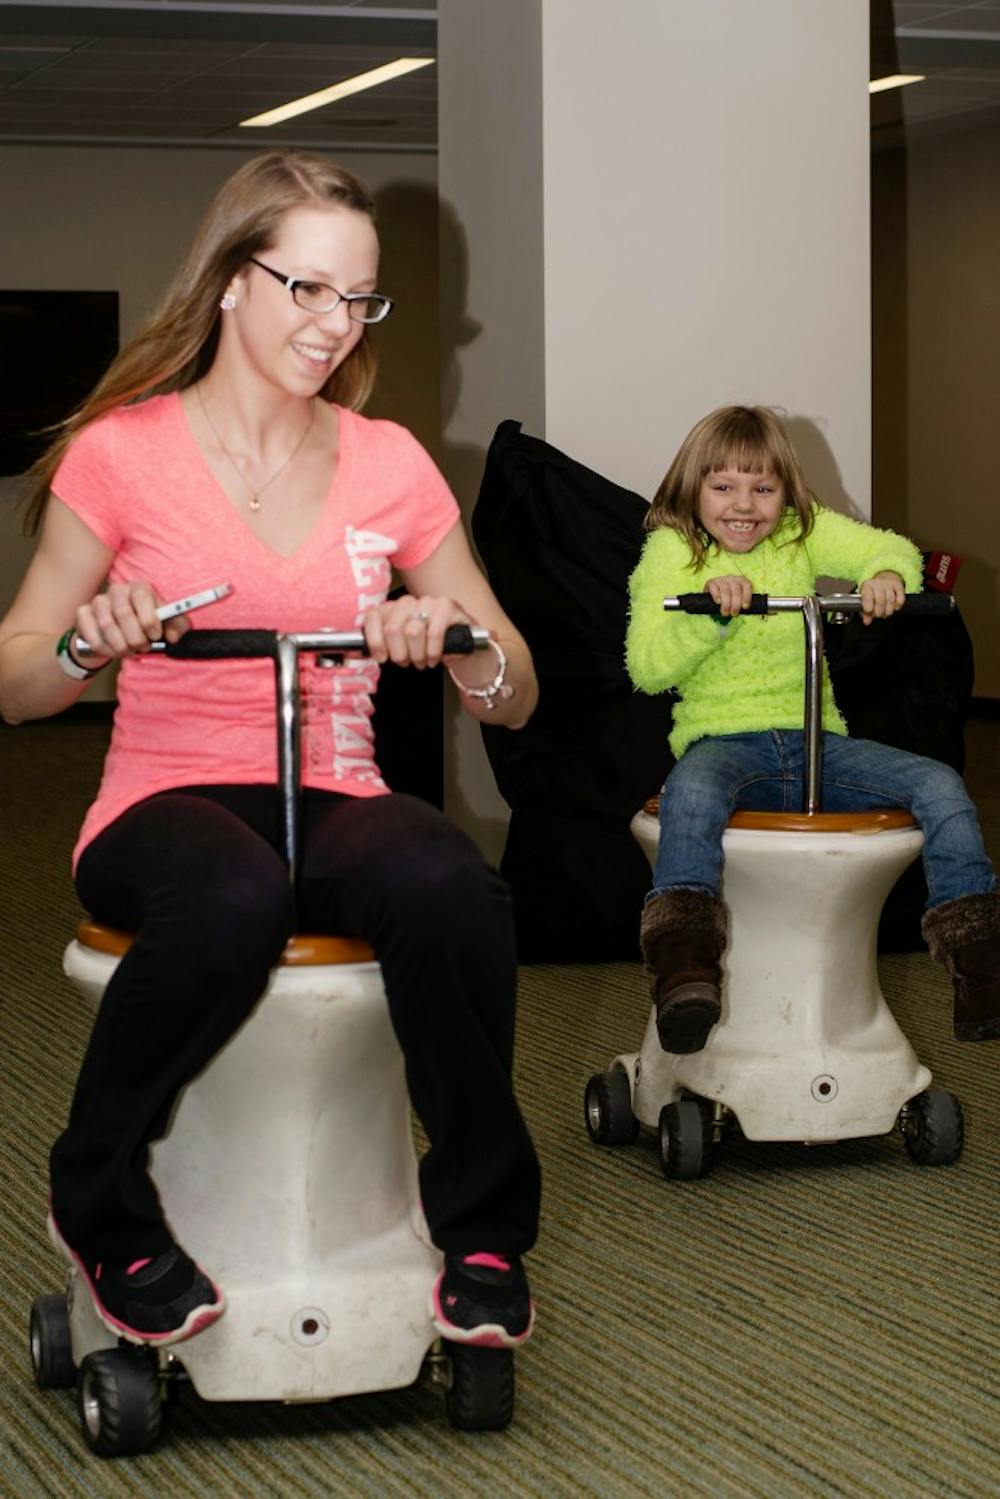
{"x":196,"y":875}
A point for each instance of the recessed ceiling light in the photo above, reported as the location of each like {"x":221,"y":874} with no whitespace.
{"x":355,"y":85}
{"x":895,"y":80}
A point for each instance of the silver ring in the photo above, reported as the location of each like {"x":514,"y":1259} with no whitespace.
{"x":422,"y":615}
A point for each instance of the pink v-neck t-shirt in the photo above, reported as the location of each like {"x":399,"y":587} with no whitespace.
{"x":138,"y":480}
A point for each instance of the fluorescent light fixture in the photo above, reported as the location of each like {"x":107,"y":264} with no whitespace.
{"x":895,"y":80}
{"x":355,"y":85}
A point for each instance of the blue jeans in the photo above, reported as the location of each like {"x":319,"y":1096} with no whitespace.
{"x":763,"y":773}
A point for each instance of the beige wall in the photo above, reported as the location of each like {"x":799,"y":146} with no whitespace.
{"x":492,"y":226}
{"x":661,"y":207}
{"x":936,"y":244}
{"x":712,"y":161}
{"x":664,"y":207}
{"x":120,"y":219}
{"x":492,"y":215}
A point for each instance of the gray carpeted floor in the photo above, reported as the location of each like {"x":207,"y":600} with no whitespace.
{"x":800,"y":1322}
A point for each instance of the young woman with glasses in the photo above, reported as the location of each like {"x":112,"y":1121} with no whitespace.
{"x":225,"y":444}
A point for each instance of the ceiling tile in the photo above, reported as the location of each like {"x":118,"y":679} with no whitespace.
{"x":196,"y":82}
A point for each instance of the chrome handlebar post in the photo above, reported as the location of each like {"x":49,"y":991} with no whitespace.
{"x":812,"y":608}
{"x":286,"y":682}
{"x":812,"y":717}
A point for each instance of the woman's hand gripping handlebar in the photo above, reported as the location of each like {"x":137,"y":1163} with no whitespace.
{"x":283,"y":650}
{"x":217,"y":645}
{"x":212,"y":645}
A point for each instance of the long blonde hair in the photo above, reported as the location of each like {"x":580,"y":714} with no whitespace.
{"x":749,"y":439}
{"x":177,"y":345}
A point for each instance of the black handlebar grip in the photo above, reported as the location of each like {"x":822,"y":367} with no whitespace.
{"x":927,"y":603}
{"x":458,"y":641}
{"x":213,"y":645}
{"x":703,"y":603}
{"x":916,"y":603}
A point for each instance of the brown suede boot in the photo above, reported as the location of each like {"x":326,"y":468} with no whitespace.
{"x":964,"y":935}
{"x":682,"y":936}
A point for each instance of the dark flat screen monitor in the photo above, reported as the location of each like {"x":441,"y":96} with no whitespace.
{"x":54,"y":347}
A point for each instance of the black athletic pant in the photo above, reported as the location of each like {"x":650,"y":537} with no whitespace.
{"x":196,"y":875}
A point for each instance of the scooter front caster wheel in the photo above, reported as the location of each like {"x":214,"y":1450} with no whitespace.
{"x":120,"y":1401}
{"x":607,"y":1109}
{"x":481,"y":1388}
{"x":51,"y":1346}
{"x":687,"y":1146}
{"x":933,"y":1128}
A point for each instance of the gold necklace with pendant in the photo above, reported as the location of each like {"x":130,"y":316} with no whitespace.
{"x":255,"y":494}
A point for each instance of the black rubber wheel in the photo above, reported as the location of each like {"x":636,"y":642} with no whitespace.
{"x":481,"y":1392}
{"x":607,"y":1109}
{"x":51,"y":1346}
{"x":686,"y":1145}
{"x":119,"y":1401}
{"x":933,"y":1128}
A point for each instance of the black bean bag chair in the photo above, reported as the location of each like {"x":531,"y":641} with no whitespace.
{"x":558,"y":543}
{"x":906,"y":682}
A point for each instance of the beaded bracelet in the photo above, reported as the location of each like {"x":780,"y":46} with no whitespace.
{"x":497,"y":688}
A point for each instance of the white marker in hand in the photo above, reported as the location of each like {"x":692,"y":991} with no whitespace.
{"x":195,"y":601}
{"x":169,"y":611}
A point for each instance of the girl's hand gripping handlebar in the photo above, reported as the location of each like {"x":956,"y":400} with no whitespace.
{"x":830,"y":603}
{"x":812,"y":607}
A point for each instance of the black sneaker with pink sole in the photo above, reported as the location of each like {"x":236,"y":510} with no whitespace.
{"x":159,"y":1300}
{"x":483,"y":1299}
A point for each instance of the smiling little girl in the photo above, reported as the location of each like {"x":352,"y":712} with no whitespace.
{"x":733,"y":517}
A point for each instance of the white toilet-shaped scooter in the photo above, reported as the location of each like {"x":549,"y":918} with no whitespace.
{"x":289,"y":1171}
{"x":806,"y":1048}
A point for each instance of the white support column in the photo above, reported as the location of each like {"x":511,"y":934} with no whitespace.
{"x":664,"y":208}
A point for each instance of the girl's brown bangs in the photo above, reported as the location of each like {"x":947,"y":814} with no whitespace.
{"x":749,"y":454}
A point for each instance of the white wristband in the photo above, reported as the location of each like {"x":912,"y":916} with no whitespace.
{"x":69,"y":664}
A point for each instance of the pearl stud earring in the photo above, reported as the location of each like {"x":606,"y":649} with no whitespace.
{"x":228,"y":302}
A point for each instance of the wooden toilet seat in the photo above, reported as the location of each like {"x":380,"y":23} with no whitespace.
{"x":878,"y":821}
{"x":304,"y":950}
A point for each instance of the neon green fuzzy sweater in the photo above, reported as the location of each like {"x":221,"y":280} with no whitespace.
{"x":748,"y":675}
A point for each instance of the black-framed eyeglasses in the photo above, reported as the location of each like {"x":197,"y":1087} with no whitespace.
{"x":318,"y":297}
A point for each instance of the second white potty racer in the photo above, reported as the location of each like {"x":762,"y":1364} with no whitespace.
{"x":806,"y":1048}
